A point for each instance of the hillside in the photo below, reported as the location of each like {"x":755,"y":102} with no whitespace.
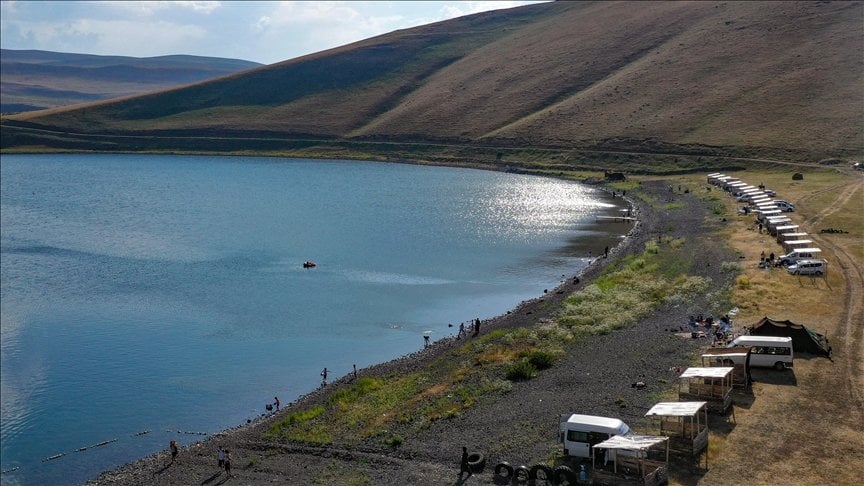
{"x":32,"y":80}
{"x":779,"y":79}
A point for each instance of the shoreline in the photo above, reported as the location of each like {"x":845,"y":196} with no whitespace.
{"x":636,"y":236}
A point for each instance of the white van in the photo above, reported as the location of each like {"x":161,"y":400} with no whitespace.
{"x":808,"y":267}
{"x":767,"y":351}
{"x":799,"y":254}
{"x":579,"y":432}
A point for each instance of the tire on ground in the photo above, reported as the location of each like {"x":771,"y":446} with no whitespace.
{"x":565,"y":475}
{"x":521,"y":474}
{"x":504,"y":470}
{"x":548,"y":473}
{"x":476,"y":462}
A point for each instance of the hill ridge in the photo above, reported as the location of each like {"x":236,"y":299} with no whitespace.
{"x":783,"y":76}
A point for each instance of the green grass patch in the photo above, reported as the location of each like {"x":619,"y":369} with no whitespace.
{"x":632,"y":288}
{"x":521,"y":370}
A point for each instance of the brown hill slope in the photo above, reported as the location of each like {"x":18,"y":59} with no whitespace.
{"x":32,"y":80}
{"x":752,"y":75}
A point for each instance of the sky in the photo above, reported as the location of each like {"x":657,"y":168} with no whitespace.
{"x":265,"y":32}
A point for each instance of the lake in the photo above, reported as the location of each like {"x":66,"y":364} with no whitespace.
{"x":150,"y":298}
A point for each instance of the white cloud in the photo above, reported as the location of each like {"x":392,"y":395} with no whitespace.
{"x":316,"y":26}
{"x":141,"y":39}
{"x":263,"y":31}
{"x":457,"y":9}
{"x":150,"y":7}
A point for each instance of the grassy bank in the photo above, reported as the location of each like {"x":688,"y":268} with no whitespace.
{"x":389,"y":409}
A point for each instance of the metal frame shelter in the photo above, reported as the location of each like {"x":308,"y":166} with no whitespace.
{"x":633,"y":467}
{"x":712,"y":384}
{"x":685,"y":423}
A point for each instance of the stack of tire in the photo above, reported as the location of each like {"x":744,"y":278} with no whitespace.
{"x":537,"y":474}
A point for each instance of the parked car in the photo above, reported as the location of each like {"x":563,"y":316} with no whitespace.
{"x":808,"y":267}
{"x":769,"y":192}
{"x":784,"y":205}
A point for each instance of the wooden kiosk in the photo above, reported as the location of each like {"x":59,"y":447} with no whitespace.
{"x":712,"y":385}
{"x":685,"y":423}
{"x":640,"y":460}
{"x":738,"y":358}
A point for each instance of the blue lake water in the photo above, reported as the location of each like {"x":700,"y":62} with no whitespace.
{"x":166,"y":293}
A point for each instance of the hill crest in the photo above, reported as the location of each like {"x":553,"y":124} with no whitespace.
{"x":782,"y":76}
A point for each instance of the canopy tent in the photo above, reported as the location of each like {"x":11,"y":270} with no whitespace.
{"x":804,"y":340}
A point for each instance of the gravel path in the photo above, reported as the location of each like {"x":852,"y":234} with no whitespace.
{"x":595,"y":377}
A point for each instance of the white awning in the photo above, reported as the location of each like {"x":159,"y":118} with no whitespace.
{"x":631,"y":442}
{"x":712,"y":372}
{"x":787,"y":227}
{"x":676,"y":409}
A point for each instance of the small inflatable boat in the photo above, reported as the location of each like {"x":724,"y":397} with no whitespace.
{"x":308,"y":264}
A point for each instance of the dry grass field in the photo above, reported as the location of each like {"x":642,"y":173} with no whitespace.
{"x":804,"y":425}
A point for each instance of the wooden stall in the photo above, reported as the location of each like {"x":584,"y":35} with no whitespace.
{"x":790,"y":235}
{"x":789,"y":228}
{"x":712,"y":385}
{"x":738,"y":358}
{"x":640,"y":460}
{"x":685,"y":423}
{"x":790,"y":245}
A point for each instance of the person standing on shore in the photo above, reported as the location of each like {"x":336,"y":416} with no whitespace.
{"x":324,"y":377}
{"x":277,"y":402}
{"x":461,"y":330}
{"x":228,"y":462}
{"x":355,"y":372}
{"x":174,"y":450}
{"x":220,"y":457}
{"x":606,"y":252}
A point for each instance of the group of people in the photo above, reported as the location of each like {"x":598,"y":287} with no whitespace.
{"x":475,"y":325}
{"x":766,"y":262}
{"x":223,"y":458}
{"x":720,"y":330}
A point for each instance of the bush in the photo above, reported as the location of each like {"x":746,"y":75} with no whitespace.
{"x":521,"y":370}
{"x":394,"y":441}
{"x":540,"y":359}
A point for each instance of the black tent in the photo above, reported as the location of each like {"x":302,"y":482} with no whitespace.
{"x":804,"y":340}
